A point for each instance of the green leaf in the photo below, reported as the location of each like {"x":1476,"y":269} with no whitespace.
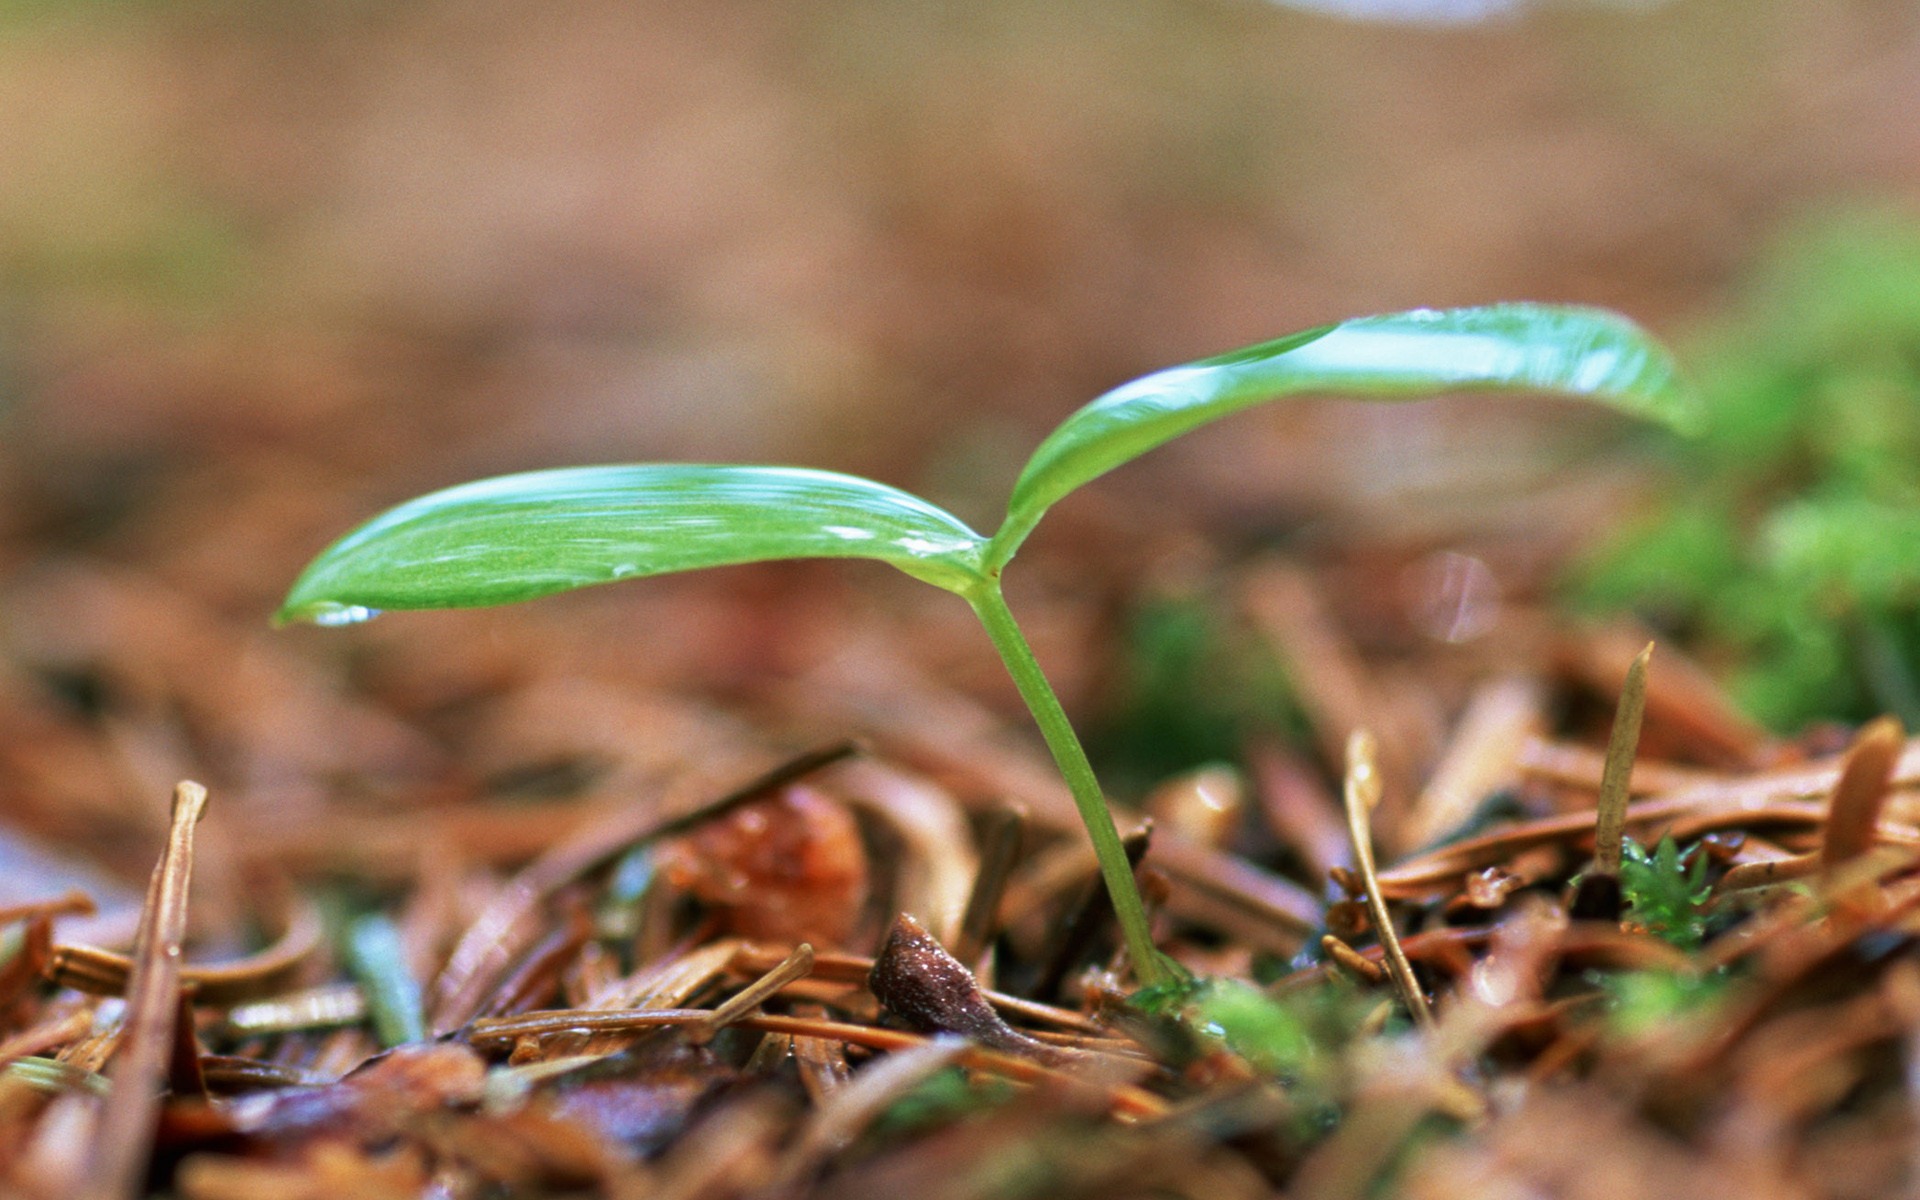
{"x":1578,"y":351}
{"x":521,"y":536}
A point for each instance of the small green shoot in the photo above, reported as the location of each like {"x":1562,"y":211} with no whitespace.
{"x":376,"y":957}
{"x":1666,"y":891}
{"x":522,"y":536}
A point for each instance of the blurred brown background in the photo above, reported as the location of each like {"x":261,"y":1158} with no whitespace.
{"x":266,"y":268}
{"x":870,"y":236}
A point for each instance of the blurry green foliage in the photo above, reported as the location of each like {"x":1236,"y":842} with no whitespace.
{"x":1287,"y":1041}
{"x":1790,"y":552}
{"x":942,"y":1099}
{"x":1301,"y":1040}
{"x":1297,"y":1037}
{"x":165,"y":252}
{"x":1649,"y":1001}
{"x":1191,"y":688}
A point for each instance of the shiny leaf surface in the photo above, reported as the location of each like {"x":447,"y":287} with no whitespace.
{"x":521,"y":536}
{"x":1577,"y":351}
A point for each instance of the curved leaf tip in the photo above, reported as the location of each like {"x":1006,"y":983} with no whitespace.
{"x":521,"y":536}
{"x":1584,"y":352}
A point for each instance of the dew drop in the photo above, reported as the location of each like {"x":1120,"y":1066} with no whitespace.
{"x":335,"y":615}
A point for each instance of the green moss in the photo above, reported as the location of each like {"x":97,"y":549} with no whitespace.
{"x":943,"y":1098}
{"x":1190,"y":691}
{"x":1790,"y":553}
{"x":1666,"y":891}
{"x":1647,"y":1001}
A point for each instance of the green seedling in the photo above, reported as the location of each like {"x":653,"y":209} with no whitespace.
{"x":522,"y":536}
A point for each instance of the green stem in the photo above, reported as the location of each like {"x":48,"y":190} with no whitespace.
{"x":1078,"y":772}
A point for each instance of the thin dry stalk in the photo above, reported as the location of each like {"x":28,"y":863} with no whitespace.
{"x":126,"y":1129}
{"x":1362,"y":794}
{"x":794,"y":967}
{"x":1616,"y":778}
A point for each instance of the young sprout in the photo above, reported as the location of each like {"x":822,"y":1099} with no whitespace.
{"x":522,"y":536}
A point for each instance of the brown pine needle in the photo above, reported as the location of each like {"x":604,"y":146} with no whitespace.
{"x":126,"y":1129}
{"x":797,"y":965}
{"x":1616,"y":777}
{"x":1501,"y":720}
{"x":74,"y":904}
{"x":1687,"y":816}
{"x":104,"y":973}
{"x":1860,"y":793}
{"x":42,"y":1038}
{"x":854,"y":968}
{"x":1125,"y":1098}
{"x":510,"y":923}
{"x":856,"y":1106}
{"x":1747,"y":876}
{"x":1362,"y":793}
{"x":1354,"y":963}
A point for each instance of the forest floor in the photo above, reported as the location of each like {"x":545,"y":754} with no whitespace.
{"x":606,"y":896}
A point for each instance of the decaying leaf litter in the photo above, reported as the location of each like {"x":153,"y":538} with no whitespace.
{"x":364,"y":870}
{"x":632,"y":976}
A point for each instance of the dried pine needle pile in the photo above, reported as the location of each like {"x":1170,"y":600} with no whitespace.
{"x":567,"y":938}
